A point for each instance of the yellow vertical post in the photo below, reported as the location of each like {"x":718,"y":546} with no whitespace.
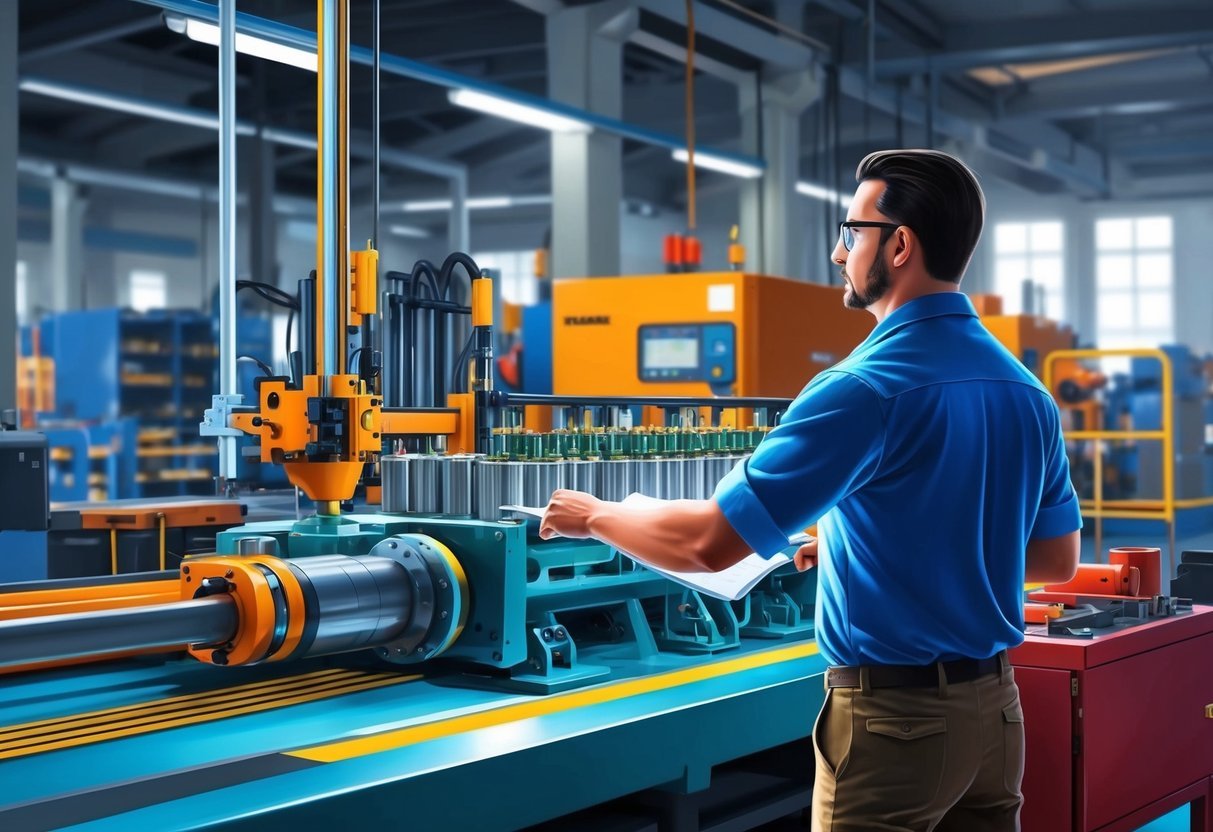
{"x":161,"y":518}
{"x":1168,"y":455}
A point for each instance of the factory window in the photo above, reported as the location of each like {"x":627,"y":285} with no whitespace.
{"x":22,"y":292}
{"x":1133,"y":279}
{"x":147,"y":290}
{"x":1030,"y":251}
{"x":515,"y":270}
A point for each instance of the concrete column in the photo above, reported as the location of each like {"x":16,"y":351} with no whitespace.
{"x":585,"y":69}
{"x":67,"y":242}
{"x":458,"y":226}
{"x":772,"y":222}
{"x":8,"y":205}
{"x":263,"y":239}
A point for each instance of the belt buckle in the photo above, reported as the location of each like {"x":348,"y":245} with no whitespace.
{"x":842,"y":677}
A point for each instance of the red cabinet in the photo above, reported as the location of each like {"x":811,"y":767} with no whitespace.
{"x":1117,"y":728}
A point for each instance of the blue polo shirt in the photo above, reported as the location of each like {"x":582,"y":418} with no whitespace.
{"x":928,"y":458}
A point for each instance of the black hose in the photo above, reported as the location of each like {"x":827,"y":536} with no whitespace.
{"x":266,"y":369}
{"x":457,"y":258}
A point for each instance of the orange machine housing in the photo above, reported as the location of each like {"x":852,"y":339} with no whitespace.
{"x":784,"y":332}
{"x":1030,"y":337}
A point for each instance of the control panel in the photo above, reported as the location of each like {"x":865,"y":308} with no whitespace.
{"x":688,"y":352}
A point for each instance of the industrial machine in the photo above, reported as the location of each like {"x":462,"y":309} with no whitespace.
{"x":371,"y":665}
{"x":695,"y":334}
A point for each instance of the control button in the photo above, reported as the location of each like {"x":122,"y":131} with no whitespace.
{"x":719,"y":347}
{"x":717,"y":372}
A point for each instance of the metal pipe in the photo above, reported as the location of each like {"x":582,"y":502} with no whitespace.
{"x":77,"y":635}
{"x":227,"y":227}
{"x":328,"y":356}
{"x":307,"y":322}
{"x":376,"y":52}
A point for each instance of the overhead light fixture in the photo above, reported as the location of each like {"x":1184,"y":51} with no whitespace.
{"x":514,"y":111}
{"x":710,"y":161}
{"x":208,"y":33}
{"x":823,"y":193}
{"x":411,"y":231}
{"x":119,"y":103}
{"x":478,"y":203}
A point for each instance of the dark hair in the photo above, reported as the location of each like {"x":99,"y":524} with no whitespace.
{"x":938,"y":197}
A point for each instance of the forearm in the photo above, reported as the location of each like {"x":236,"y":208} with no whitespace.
{"x":683,"y":535}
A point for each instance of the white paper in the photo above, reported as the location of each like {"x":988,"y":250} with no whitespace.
{"x":730,"y":584}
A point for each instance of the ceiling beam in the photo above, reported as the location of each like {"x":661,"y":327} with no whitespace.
{"x":974,"y":43}
{"x":1139,"y":98}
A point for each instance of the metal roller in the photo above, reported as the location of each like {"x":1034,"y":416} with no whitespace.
{"x":618,"y":478}
{"x":715,"y":468}
{"x":427,"y":478}
{"x":671,"y":478}
{"x":650,"y":480}
{"x":459,"y":485}
{"x":539,"y":480}
{"x":408,"y":598}
{"x":497,"y":484}
{"x":694,"y":486}
{"x":394,"y":475}
{"x":359,"y":601}
{"x":583,"y":475}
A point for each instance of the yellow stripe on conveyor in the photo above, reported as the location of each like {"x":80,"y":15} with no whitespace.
{"x":389,"y":740}
{"x":191,"y":709}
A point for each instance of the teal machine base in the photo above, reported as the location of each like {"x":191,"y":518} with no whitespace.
{"x":577,"y":678}
{"x":180,"y":745}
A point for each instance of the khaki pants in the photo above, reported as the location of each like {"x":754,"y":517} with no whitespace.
{"x":947,"y":758}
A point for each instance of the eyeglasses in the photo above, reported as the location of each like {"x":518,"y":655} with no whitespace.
{"x":848,"y":236}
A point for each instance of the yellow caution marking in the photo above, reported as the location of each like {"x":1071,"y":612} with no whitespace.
{"x":191,"y":709}
{"x":141,"y":707}
{"x":389,"y":740}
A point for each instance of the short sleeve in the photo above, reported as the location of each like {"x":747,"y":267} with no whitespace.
{"x":828,"y":444}
{"x":1058,"y":513}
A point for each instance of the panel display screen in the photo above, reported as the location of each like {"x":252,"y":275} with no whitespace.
{"x":671,"y":353}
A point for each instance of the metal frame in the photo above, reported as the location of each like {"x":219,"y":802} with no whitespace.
{"x":1135,"y":509}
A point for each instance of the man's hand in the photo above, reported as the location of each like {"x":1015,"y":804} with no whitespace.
{"x":568,"y":514}
{"x":806,"y":556}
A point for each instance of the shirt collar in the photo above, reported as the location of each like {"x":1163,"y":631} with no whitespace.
{"x":921,"y":308}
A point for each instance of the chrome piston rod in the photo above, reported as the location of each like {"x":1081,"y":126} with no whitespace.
{"x":79,"y":635}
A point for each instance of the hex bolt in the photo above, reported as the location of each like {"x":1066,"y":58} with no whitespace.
{"x":547,"y":633}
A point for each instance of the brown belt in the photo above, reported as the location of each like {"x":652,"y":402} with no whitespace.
{"x":913,"y":676}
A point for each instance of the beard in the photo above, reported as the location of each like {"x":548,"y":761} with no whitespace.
{"x":878,"y":286}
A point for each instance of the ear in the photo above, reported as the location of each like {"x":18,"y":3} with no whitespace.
{"x":906,"y":244}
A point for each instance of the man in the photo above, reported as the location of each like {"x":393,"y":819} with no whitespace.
{"x":934,"y":465}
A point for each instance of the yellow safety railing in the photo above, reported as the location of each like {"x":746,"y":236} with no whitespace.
{"x":1131,"y":509}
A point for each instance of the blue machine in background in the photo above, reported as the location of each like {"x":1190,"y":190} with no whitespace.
{"x":537,"y":348}
{"x":1134,"y":470}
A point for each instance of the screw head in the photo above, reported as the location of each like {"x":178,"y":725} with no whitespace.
{"x":499,"y":535}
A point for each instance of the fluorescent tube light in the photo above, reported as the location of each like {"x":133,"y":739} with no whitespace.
{"x":710,"y":161}
{"x":476,"y":203}
{"x":119,"y":103}
{"x":823,"y":193}
{"x":408,"y":231}
{"x":512,"y":110}
{"x":208,"y":33}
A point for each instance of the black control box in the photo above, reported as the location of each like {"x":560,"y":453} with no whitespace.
{"x":24,"y":493}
